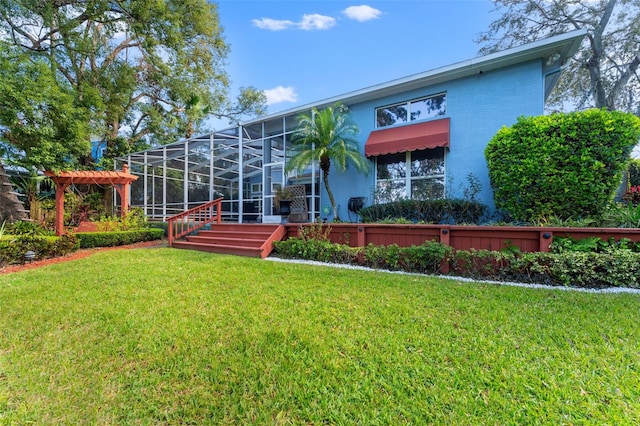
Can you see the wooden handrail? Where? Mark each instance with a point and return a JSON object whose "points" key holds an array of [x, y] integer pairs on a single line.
{"points": [[194, 219]]}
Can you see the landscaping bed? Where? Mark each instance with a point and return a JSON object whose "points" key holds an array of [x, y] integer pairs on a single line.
{"points": [[79, 254], [600, 264]]}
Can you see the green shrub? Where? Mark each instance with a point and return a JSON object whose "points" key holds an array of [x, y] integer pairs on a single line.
{"points": [[592, 245], [480, 264], [134, 219], [160, 225], [317, 250], [620, 215], [26, 228], [633, 171], [567, 165], [449, 211], [425, 258], [118, 238], [13, 249], [614, 265], [617, 268]]}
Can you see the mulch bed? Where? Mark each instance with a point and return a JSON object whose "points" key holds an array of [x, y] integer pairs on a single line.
{"points": [[79, 254]]}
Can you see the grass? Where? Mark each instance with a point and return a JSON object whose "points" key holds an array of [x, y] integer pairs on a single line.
{"points": [[162, 336]]}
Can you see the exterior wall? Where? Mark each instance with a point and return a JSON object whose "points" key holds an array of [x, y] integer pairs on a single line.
{"points": [[478, 107]]}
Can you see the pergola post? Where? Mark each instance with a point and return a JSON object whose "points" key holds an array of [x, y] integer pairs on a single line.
{"points": [[123, 191], [60, 189]]}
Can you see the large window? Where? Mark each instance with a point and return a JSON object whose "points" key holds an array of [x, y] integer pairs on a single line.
{"points": [[418, 109], [418, 175]]}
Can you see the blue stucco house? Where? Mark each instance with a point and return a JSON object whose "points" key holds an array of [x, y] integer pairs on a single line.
{"points": [[425, 135]]}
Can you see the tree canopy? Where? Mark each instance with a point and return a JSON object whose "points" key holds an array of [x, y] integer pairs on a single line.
{"points": [[41, 124], [603, 74], [122, 71]]}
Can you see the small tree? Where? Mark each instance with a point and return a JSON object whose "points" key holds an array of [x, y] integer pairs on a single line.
{"points": [[563, 165], [325, 136]]}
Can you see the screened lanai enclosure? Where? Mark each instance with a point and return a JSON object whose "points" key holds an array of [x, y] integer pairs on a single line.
{"points": [[244, 165]]}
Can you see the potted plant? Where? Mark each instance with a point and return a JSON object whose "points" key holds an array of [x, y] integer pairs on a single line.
{"points": [[282, 199]]}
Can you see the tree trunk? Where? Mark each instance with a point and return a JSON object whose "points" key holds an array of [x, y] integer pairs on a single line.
{"points": [[325, 165], [597, 56]]}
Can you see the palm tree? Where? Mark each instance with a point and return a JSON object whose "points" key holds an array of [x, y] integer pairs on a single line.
{"points": [[326, 136]]}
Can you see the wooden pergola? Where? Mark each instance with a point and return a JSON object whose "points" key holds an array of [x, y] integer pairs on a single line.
{"points": [[119, 180]]}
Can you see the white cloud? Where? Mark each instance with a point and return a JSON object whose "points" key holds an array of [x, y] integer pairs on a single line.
{"points": [[281, 94], [362, 13], [272, 24], [307, 23], [316, 22]]}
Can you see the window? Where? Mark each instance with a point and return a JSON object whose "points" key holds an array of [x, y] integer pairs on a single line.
{"points": [[256, 190], [417, 175], [419, 109]]}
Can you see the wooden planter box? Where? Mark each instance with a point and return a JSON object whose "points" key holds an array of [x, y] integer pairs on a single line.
{"points": [[525, 238]]}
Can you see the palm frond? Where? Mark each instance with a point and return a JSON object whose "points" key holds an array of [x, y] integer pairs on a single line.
{"points": [[327, 133]]}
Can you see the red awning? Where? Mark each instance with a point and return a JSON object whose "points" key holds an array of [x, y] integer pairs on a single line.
{"points": [[430, 134]]}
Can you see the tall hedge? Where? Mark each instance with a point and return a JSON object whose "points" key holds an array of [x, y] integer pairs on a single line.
{"points": [[562, 165]]}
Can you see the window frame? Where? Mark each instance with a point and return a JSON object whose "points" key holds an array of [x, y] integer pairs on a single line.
{"points": [[409, 179], [407, 104]]}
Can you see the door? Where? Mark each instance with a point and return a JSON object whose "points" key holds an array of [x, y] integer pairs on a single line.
{"points": [[272, 179]]}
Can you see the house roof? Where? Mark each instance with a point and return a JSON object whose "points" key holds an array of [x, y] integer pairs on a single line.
{"points": [[554, 51]]}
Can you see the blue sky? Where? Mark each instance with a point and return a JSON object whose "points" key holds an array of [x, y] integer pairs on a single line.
{"points": [[302, 51]]}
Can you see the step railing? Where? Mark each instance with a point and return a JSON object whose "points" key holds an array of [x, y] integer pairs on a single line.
{"points": [[194, 219]]}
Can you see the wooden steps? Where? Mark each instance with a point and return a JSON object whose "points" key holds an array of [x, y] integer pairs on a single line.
{"points": [[252, 240]]}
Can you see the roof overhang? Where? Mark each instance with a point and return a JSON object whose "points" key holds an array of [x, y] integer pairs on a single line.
{"points": [[426, 135]]}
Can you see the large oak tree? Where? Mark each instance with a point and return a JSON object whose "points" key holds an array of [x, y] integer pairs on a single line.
{"points": [[604, 73], [124, 71]]}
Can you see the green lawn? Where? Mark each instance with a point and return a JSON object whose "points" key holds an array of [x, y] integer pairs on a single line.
{"points": [[162, 336]]}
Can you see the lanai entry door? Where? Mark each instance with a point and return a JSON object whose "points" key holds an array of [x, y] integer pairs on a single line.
{"points": [[272, 180]]}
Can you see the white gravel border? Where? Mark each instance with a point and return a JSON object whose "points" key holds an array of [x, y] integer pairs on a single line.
{"points": [[461, 279]]}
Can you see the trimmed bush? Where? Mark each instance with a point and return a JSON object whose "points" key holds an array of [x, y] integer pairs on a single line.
{"points": [[616, 266], [563, 165], [425, 258], [620, 268], [118, 238], [159, 225], [317, 250], [14, 248], [449, 211]]}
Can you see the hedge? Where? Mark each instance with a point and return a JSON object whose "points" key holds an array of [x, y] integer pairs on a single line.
{"points": [[611, 268], [118, 238], [567, 166], [449, 211], [14, 248]]}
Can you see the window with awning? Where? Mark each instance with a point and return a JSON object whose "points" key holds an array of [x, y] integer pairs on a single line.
{"points": [[410, 160], [426, 135]]}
